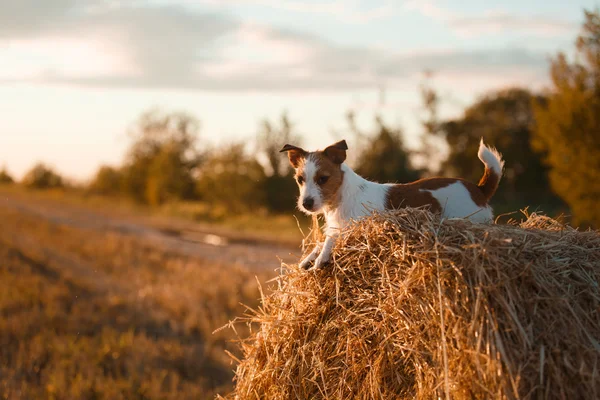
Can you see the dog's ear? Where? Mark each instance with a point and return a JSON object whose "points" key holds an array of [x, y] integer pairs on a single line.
{"points": [[337, 152], [295, 154]]}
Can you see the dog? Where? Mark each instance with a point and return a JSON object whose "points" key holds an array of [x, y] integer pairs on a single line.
{"points": [[330, 187]]}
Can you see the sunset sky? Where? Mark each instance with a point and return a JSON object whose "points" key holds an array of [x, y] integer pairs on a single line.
{"points": [[75, 74]]}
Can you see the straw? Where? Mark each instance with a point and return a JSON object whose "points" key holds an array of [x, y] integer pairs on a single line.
{"points": [[417, 308]]}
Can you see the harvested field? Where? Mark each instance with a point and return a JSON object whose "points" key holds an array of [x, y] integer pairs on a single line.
{"points": [[90, 312], [417, 308]]}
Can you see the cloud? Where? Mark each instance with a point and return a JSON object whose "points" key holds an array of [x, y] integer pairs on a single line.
{"points": [[499, 21], [492, 21], [165, 40], [29, 18], [352, 11], [151, 41], [127, 44], [338, 69]]}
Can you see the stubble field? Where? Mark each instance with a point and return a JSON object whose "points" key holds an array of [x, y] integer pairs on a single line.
{"points": [[89, 309]]}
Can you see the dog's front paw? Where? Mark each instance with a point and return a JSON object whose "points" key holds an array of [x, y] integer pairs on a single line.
{"points": [[320, 262], [305, 264]]}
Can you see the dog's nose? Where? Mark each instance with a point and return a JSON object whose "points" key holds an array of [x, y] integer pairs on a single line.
{"points": [[308, 203]]}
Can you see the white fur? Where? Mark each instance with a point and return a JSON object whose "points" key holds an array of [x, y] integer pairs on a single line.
{"points": [[359, 197], [311, 257], [326, 252], [491, 158], [310, 187], [456, 202]]}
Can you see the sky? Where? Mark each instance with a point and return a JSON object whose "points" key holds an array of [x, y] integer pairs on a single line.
{"points": [[76, 74]]}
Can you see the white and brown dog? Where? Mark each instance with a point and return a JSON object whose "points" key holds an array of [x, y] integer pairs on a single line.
{"points": [[330, 187]]}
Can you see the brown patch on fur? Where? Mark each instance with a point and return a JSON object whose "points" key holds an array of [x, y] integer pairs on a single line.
{"points": [[295, 154], [327, 167], [299, 168], [411, 194], [336, 152], [488, 183]]}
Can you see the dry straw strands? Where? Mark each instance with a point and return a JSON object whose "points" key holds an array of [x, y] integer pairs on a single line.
{"points": [[417, 308]]}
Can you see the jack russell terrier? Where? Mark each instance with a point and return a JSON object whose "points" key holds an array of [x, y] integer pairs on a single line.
{"points": [[330, 187]]}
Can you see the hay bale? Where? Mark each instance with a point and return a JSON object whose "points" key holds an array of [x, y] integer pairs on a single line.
{"points": [[417, 308]]}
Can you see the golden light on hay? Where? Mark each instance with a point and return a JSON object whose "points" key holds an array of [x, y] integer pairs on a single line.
{"points": [[417, 308]]}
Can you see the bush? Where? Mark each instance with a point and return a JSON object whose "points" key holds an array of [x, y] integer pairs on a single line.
{"points": [[385, 157], [107, 181], [162, 160], [5, 177], [232, 179], [42, 177], [168, 178]]}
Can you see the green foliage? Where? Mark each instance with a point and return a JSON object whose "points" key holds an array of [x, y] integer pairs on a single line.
{"points": [[163, 158], [5, 177], [279, 186], [568, 125], [232, 179], [505, 120], [170, 177], [42, 177], [107, 181], [385, 159], [135, 178], [280, 192]]}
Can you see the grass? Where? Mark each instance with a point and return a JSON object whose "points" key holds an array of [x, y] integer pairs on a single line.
{"points": [[99, 315]]}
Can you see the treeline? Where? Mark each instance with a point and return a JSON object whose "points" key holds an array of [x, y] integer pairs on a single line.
{"points": [[165, 163], [550, 141], [40, 176]]}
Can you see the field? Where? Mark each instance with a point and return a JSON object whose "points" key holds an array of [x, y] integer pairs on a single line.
{"points": [[103, 304]]}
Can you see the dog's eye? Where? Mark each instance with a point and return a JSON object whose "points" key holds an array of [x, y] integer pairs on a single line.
{"points": [[300, 180], [322, 180]]}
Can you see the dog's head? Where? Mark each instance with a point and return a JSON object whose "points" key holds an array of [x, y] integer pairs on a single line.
{"points": [[318, 174]]}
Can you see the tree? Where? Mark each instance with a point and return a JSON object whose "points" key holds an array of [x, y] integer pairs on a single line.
{"points": [[42, 177], [385, 159], [270, 140], [568, 125], [5, 177], [505, 120], [163, 158], [107, 181], [232, 179], [430, 154], [279, 185], [170, 177]]}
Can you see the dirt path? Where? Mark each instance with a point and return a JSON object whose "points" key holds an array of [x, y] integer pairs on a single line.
{"points": [[186, 240]]}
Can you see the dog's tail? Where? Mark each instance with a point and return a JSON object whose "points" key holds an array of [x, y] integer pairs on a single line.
{"points": [[493, 169]]}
